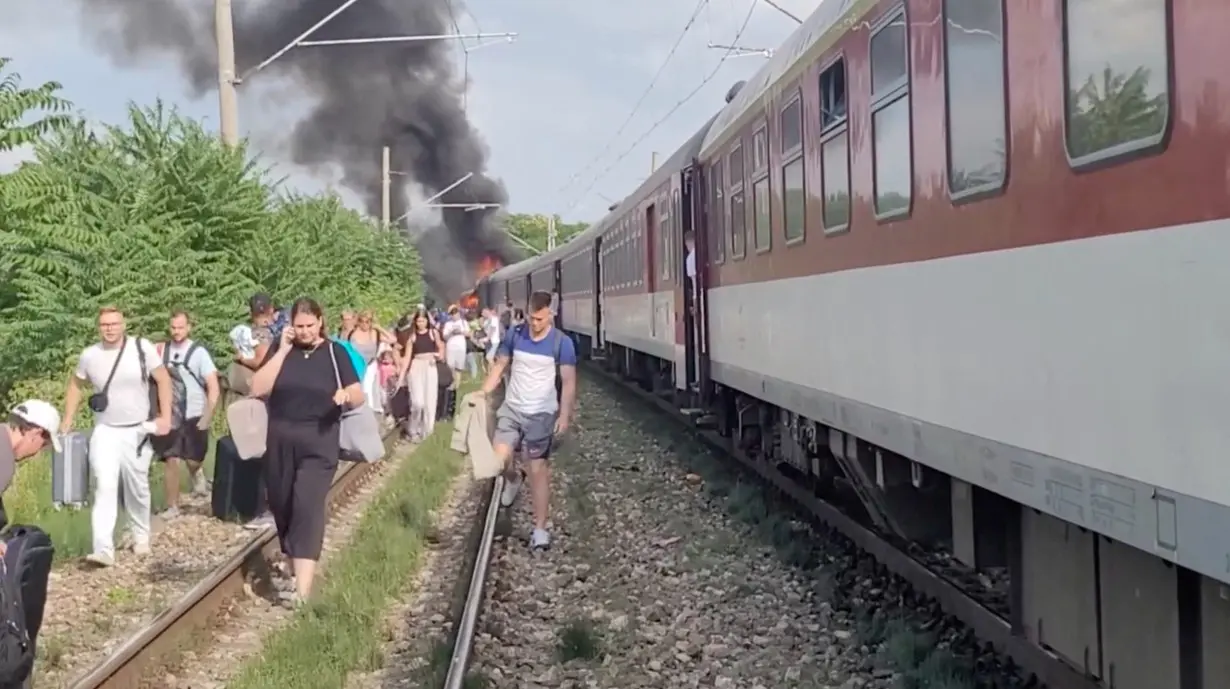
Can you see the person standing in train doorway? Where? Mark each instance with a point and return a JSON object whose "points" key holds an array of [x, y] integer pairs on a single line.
{"points": [[538, 405]]}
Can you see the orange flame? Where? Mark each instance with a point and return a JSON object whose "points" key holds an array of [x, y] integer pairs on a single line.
{"points": [[485, 267]]}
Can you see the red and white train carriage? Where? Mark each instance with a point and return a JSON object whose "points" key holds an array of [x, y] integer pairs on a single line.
{"points": [[965, 257]]}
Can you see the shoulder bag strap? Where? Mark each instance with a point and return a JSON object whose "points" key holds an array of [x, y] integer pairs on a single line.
{"points": [[116, 366], [141, 360], [337, 375], [187, 365]]}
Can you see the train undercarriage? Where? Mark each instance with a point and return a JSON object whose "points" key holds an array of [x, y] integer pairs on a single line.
{"points": [[1124, 617]]}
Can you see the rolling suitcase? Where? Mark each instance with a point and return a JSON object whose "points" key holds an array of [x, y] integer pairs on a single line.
{"points": [[70, 470], [238, 484]]}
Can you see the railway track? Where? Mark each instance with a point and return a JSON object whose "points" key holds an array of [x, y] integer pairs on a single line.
{"points": [[131, 664], [465, 614], [936, 589]]}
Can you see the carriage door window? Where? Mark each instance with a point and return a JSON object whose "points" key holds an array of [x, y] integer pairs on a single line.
{"points": [[738, 214], [890, 117], [717, 215]]}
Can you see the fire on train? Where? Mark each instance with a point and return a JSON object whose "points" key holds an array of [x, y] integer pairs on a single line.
{"points": [[959, 260]]}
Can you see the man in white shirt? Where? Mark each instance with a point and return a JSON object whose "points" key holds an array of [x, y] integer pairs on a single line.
{"points": [[491, 323], [118, 369], [189, 442]]}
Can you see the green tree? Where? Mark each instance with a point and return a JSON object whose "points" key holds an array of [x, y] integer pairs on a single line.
{"points": [[157, 215], [27, 114], [532, 229]]}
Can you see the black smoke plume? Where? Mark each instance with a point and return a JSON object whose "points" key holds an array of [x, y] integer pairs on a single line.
{"points": [[407, 96]]}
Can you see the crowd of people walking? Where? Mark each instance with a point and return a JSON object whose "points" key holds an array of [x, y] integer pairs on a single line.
{"points": [[289, 389]]}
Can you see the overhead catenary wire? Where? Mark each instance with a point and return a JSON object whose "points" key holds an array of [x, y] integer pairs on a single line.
{"points": [[640, 101], [675, 108]]}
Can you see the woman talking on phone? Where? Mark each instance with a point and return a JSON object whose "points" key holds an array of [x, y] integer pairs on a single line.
{"points": [[308, 381]]}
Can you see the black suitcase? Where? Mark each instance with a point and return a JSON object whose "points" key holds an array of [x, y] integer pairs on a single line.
{"points": [[238, 484], [28, 556]]}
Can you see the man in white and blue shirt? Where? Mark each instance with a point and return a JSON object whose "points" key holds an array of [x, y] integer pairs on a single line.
{"points": [[535, 410]]}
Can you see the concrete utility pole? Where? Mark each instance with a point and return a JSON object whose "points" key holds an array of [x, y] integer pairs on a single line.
{"points": [[228, 100], [385, 187], [551, 232]]}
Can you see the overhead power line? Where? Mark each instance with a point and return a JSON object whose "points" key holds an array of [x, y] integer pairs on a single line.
{"points": [[640, 101], [683, 101]]}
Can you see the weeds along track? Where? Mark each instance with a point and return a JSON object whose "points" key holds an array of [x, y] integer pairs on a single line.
{"points": [[900, 619], [229, 563], [429, 635]]}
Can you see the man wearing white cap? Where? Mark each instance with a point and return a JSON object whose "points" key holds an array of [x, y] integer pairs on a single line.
{"points": [[31, 427]]}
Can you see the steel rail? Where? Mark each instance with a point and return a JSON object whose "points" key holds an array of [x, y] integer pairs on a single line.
{"points": [[127, 666], [986, 624], [459, 663]]}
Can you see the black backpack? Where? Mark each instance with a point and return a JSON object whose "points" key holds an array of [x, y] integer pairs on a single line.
{"points": [[16, 651]]}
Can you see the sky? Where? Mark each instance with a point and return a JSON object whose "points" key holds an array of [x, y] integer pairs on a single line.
{"points": [[550, 104]]}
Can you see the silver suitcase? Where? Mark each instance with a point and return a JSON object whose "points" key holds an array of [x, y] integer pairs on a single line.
{"points": [[70, 471]]}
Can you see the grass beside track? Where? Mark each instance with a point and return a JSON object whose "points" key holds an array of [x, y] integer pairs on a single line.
{"points": [[342, 629], [28, 499]]}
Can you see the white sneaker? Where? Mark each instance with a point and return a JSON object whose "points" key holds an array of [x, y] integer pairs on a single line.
{"points": [[169, 513], [140, 548], [511, 488], [540, 539], [265, 521], [200, 485], [100, 559]]}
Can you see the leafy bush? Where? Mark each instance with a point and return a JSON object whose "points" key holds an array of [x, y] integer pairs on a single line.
{"points": [[153, 216]]}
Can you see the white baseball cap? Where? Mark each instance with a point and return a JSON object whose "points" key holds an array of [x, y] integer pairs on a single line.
{"points": [[42, 415]]}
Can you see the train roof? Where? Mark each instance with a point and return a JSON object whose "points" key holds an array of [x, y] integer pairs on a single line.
{"points": [[808, 42], [679, 160]]}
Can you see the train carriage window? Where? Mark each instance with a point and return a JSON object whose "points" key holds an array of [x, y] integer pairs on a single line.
{"points": [[738, 226], [1118, 77], [663, 244], [760, 149], [717, 216], [977, 101], [833, 95], [763, 228], [738, 214], [834, 149], [890, 117], [677, 251], [794, 194]]}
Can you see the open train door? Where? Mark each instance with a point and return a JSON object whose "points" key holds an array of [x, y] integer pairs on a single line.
{"points": [[686, 369], [599, 340], [696, 201], [557, 295]]}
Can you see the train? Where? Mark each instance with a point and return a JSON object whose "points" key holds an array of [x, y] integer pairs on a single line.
{"points": [[962, 261]]}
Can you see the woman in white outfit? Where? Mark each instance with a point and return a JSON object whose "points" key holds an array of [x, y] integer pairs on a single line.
{"points": [[456, 332], [418, 368]]}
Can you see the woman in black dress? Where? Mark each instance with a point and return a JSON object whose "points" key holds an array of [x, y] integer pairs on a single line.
{"points": [[307, 381]]}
